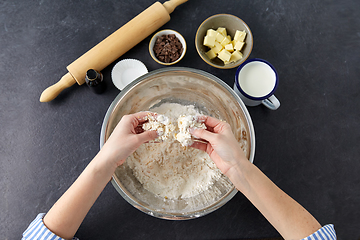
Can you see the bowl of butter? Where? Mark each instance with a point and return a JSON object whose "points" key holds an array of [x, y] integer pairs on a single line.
{"points": [[224, 41]]}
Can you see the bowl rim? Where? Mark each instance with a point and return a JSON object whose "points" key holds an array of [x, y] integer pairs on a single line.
{"points": [[178, 35], [209, 62], [188, 215]]}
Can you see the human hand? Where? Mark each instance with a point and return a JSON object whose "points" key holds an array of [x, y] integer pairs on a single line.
{"points": [[221, 145], [127, 136]]}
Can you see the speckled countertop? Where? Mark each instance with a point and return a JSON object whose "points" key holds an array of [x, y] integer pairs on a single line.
{"points": [[308, 147]]}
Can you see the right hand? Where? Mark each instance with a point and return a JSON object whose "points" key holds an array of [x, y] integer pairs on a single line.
{"points": [[221, 145]]}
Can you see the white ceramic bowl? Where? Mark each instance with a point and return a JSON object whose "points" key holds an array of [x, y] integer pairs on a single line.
{"points": [[166, 32]]}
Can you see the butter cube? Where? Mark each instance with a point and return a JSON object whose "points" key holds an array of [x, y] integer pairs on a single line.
{"points": [[225, 42], [209, 41], [224, 55], [219, 37], [217, 48], [240, 36], [238, 45], [211, 54], [211, 32], [229, 47], [222, 31], [235, 56], [222, 46]]}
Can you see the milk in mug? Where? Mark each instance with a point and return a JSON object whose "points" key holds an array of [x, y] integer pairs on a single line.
{"points": [[257, 79], [255, 83]]}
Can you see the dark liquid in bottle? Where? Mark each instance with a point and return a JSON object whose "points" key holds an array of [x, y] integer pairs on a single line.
{"points": [[94, 80]]}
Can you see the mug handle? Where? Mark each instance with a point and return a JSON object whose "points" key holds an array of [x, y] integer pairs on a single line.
{"points": [[272, 102]]}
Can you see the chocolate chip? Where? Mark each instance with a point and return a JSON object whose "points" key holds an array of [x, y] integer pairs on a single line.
{"points": [[168, 48]]}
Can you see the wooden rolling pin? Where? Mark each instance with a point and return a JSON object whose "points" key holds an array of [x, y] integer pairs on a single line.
{"points": [[112, 47]]}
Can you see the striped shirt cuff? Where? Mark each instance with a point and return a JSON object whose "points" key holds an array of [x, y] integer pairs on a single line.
{"points": [[327, 232], [38, 231]]}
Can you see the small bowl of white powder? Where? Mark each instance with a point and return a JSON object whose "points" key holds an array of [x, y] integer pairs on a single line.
{"points": [[167, 178]]}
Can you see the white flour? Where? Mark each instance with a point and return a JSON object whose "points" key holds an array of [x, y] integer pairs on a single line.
{"points": [[177, 127], [185, 122], [162, 125], [169, 169]]}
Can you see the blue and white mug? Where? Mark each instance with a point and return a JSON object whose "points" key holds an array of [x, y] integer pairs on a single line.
{"points": [[255, 82]]}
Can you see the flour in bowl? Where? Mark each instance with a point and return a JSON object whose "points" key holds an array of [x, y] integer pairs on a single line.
{"points": [[174, 127], [185, 122], [162, 125], [167, 168]]}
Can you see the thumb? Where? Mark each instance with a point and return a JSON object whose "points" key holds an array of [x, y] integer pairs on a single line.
{"points": [[202, 133], [147, 136]]}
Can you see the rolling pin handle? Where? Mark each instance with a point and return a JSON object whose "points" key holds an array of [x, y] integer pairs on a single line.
{"points": [[172, 4], [53, 91]]}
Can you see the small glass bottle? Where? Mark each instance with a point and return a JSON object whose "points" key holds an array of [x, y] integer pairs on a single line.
{"points": [[94, 80]]}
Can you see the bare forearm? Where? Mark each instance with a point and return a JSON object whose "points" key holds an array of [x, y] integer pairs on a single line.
{"points": [[65, 217], [288, 217]]}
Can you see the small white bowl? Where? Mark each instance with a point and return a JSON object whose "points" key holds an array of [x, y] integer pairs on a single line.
{"points": [[166, 32]]}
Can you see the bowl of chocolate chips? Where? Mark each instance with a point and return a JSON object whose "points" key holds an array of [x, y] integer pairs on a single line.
{"points": [[167, 47]]}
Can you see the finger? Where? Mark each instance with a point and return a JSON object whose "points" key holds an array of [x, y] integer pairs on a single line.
{"points": [[200, 145], [203, 134], [139, 129], [142, 117], [211, 121], [135, 119], [147, 136]]}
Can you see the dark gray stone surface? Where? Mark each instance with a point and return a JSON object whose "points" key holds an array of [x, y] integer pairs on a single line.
{"points": [[308, 147]]}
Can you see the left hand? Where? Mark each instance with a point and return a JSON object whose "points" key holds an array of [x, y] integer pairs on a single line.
{"points": [[127, 136], [221, 144]]}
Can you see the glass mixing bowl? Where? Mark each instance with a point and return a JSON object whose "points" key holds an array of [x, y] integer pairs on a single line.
{"points": [[211, 96]]}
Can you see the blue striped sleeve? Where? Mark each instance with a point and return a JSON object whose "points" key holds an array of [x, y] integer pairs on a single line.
{"points": [[38, 231], [327, 232]]}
